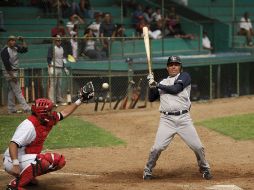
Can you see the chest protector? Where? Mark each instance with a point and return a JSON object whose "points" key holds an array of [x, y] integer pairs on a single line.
{"points": [[42, 132]]}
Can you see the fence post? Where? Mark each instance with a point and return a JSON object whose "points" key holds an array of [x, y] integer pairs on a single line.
{"points": [[211, 80], [238, 79]]}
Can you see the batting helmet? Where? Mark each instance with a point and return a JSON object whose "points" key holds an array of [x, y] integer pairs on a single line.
{"points": [[174, 59], [41, 108]]}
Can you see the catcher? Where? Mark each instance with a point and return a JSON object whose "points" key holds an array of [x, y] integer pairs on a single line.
{"points": [[23, 158]]}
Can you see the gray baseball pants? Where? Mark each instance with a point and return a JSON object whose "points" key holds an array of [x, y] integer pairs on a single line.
{"points": [[171, 125]]}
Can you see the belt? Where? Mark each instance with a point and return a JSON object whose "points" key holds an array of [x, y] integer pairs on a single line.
{"points": [[175, 113]]}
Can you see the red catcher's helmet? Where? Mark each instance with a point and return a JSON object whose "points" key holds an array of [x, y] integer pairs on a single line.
{"points": [[41, 108]]}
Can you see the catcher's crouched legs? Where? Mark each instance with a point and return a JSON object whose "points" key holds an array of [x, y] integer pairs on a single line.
{"points": [[151, 163], [44, 163]]}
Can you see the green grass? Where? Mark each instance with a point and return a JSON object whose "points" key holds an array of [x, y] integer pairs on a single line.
{"points": [[71, 132], [239, 127]]}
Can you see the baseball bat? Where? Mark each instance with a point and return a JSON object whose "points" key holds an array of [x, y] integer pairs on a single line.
{"points": [[117, 102], [137, 95], [96, 103], [33, 90], [147, 47], [103, 105]]}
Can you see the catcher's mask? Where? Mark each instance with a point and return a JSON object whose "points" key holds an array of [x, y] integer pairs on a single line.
{"points": [[42, 109]]}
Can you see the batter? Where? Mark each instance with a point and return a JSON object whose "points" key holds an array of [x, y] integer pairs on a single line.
{"points": [[174, 94]]}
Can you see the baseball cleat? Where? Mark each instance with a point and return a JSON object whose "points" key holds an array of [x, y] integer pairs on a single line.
{"points": [[207, 174], [147, 174]]}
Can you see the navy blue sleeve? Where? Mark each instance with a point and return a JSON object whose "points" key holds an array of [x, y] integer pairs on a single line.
{"points": [[153, 94], [181, 82], [5, 58], [50, 55]]}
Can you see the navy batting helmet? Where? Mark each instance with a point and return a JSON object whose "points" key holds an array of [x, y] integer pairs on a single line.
{"points": [[174, 59]]}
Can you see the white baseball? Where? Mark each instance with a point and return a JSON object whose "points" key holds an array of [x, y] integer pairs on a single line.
{"points": [[105, 85]]}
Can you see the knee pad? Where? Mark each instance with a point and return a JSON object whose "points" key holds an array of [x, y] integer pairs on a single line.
{"points": [[56, 161]]}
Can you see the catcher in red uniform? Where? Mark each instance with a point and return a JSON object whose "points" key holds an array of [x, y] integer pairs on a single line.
{"points": [[23, 158]]}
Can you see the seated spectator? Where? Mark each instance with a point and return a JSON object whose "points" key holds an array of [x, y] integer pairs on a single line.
{"points": [[137, 15], [157, 15], [95, 26], [206, 43], [82, 9], [89, 47], [155, 34], [120, 31], [74, 19], [175, 29], [148, 15], [107, 29], [59, 29], [246, 28]]}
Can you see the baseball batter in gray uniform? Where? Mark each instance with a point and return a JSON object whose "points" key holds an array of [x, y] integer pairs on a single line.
{"points": [[174, 94]]}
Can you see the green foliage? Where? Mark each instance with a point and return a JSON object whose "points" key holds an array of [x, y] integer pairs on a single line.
{"points": [[71, 132], [239, 127]]}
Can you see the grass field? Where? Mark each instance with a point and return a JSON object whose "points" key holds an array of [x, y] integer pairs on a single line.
{"points": [[71, 132], [239, 127]]}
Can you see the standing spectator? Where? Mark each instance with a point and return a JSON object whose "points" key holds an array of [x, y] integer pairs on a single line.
{"points": [[56, 64], [246, 28], [206, 43], [107, 29], [95, 26], [10, 59], [174, 95], [23, 158], [89, 47]]}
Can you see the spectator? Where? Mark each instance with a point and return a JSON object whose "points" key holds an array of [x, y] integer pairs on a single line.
{"points": [[95, 26], [59, 29], [107, 29], [74, 19], [74, 42], [82, 8], [157, 15], [246, 28], [148, 15], [9, 56], [206, 43], [2, 29], [175, 29], [60, 6], [56, 65], [139, 27], [137, 15], [89, 48], [24, 159], [120, 31]]}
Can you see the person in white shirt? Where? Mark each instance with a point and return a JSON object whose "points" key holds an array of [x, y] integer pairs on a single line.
{"points": [[23, 158], [246, 28], [206, 43]]}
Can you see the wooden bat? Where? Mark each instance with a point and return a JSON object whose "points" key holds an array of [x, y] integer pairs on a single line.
{"points": [[117, 102], [22, 81], [96, 103], [104, 102], [147, 47], [125, 99], [33, 90], [146, 99], [136, 95]]}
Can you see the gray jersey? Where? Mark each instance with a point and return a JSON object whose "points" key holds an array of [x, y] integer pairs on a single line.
{"points": [[174, 102]]}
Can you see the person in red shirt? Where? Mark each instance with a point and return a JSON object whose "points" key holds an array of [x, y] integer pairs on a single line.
{"points": [[58, 30]]}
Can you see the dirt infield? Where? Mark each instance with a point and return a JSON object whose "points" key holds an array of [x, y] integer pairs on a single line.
{"points": [[120, 168]]}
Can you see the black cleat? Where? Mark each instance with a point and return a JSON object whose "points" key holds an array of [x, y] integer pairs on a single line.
{"points": [[206, 174]]}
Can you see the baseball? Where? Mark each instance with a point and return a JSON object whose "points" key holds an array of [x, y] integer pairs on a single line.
{"points": [[105, 85]]}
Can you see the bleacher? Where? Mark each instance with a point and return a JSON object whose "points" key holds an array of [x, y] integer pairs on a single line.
{"points": [[29, 22], [226, 12]]}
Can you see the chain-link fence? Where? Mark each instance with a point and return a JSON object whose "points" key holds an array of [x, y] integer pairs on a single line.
{"points": [[42, 75]]}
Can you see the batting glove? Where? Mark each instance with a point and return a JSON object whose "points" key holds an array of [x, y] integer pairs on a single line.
{"points": [[150, 76], [152, 83]]}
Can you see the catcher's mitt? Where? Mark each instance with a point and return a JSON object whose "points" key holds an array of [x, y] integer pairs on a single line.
{"points": [[86, 92]]}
